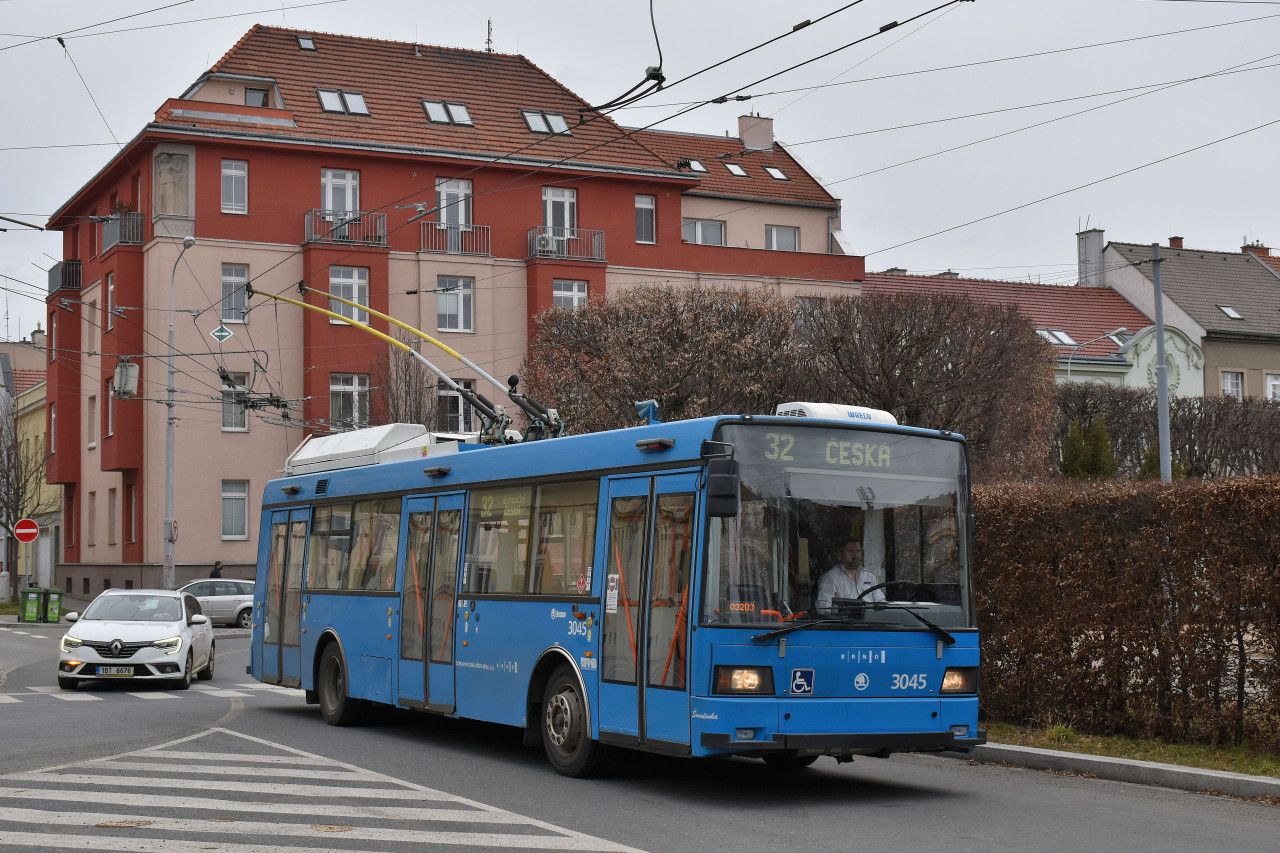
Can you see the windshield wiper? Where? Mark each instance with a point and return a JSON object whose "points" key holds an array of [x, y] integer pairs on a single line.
{"points": [[943, 634], [794, 626]]}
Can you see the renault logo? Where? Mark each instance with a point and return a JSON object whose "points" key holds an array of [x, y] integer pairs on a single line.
{"points": [[116, 648]]}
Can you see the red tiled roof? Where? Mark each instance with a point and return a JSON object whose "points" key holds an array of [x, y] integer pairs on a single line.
{"points": [[24, 380], [1082, 312], [395, 77], [1271, 261], [714, 151]]}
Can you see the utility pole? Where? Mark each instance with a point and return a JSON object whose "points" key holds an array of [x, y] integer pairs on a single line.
{"points": [[170, 580], [1162, 373]]}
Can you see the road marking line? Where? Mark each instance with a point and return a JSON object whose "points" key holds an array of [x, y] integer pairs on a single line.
{"points": [[30, 840], [153, 695], [236, 770], [232, 806], [271, 687], [44, 689], [347, 793], [223, 694], [8, 700], [310, 831], [228, 757], [22, 633], [74, 697]]}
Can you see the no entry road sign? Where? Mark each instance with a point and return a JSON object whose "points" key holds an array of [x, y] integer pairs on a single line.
{"points": [[26, 530]]}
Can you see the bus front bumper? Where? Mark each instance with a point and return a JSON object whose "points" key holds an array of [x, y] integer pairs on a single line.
{"points": [[834, 744]]}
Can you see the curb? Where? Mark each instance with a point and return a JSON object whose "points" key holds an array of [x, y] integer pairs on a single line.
{"points": [[1126, 770]]}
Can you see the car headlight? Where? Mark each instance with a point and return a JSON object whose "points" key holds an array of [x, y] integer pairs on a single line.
{"points": [[170, 646], [960, 679], [752, 680], [69, 642]]}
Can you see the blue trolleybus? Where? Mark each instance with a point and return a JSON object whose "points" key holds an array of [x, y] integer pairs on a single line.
{"points": [[782, 587]]}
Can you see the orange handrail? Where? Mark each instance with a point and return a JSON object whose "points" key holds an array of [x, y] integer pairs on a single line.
{"points": [[626, 606]]}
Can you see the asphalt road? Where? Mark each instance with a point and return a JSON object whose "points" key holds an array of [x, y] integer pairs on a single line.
{"points": [[234, 766]]}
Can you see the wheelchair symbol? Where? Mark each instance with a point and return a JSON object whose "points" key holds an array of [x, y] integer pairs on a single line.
{"points": [[801, 682]]}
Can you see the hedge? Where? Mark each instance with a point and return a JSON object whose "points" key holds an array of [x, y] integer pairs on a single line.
{"points": [[1133, 608]]}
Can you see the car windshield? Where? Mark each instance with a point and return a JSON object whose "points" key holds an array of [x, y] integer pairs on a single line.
{"points": [[134, 608], [849, 524]]}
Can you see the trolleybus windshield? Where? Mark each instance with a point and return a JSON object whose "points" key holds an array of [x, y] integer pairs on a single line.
{"points": [[846, 525]]}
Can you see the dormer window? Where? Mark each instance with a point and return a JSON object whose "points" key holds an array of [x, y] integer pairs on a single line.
{"points": [[306, 43], [333, 101], [776, 174], [735, 169], [256, 97], [696, 166], [1230, 312], [542, 122], [443, 112]]}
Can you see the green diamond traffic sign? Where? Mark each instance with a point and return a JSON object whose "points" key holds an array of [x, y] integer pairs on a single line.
{"points": [[221, 333]]}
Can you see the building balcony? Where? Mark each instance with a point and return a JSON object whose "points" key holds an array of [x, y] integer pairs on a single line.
{"points": [[64, 275], [444, 238], [346, 227], [124, 227], [571, 244]]}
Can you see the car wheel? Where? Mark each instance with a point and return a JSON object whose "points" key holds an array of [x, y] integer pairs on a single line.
{"points": [[245, 619], [336, 707], [67, 683], [206, 674], [788, 760], [566, 731], [184, 681]]}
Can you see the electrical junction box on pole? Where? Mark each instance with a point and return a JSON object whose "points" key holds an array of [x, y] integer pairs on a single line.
{"points": [[26, 531]]}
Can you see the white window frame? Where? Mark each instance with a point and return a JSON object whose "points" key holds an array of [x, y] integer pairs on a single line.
{"points": [[458, 113], [349, 283], [235, 182], [111, 407], [306, 43], [94, 426], [111, 299], [697, 231], [569, 293], [566, 200], [331, 101], [346, 180], [1272, 386], [235, 492], [776, 173], [464, 419], [736, 170], [771, 233], [436, 112], [53, 428], [230, 406], [355, 104], [453, 200], [1238, 392], [696, 166], [457, 302], [53, 335], [356, 385], [647, 206], [235, 296], [266, 96]]}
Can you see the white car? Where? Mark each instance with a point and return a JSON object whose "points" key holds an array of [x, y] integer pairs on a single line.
{"points": [[225, 602], [138, 635]]}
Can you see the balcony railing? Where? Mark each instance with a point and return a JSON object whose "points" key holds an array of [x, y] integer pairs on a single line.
{"points": [[347, 226], [64, 275], [124, 227], [456, 239], [575, 244]]}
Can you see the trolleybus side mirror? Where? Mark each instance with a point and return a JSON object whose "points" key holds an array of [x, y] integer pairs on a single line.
{"points": [[723, 487]]}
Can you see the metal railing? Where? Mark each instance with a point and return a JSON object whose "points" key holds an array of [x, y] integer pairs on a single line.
{"points": [[64, 275], [456, 239], [346, 226], [578, 244], [124, 227]]}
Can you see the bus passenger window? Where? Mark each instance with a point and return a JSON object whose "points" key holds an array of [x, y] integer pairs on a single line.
{"points": [[566, 538], [330, 544], [498, 541], [375, 535], [448, 536], [627, 524], [669, 596], [416, 590]]}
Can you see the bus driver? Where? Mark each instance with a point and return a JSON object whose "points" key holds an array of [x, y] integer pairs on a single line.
{"points": [[846, 579]]}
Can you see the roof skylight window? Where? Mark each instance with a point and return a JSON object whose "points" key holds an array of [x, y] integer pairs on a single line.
{"points": [[441, 112], [540, 122], [1230, 312], [735, 169], [1057, 337], [776, 174], [355, 103], [306, 43], [333, 101], [696, 166]]}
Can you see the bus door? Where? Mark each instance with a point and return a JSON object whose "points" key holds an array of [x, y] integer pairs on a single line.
{"points": [[281, 630], [427, 601], [649, 546]]}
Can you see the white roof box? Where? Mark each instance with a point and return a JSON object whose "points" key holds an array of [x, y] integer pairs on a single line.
{"points": [[835, 412], [371, 446]]}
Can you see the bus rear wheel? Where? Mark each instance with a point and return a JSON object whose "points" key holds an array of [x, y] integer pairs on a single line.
{"points": [[336, 707], [566, 731]]}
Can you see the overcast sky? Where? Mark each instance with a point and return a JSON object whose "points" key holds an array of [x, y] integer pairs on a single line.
{"points": [[1214, 197]]}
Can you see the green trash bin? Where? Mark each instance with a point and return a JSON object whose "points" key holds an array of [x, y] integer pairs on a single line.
{"points": [[32, 601], [52, 605]]}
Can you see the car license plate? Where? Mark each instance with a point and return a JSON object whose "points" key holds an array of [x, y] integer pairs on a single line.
{"points": [[115, 671]]}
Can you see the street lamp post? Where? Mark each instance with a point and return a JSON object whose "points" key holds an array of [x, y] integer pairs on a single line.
{"points": [[170, 531], [1076, 348], [1162, 373]]}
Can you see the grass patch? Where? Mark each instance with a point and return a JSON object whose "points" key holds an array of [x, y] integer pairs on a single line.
{"points": [[8, 608], [1239, 759]]}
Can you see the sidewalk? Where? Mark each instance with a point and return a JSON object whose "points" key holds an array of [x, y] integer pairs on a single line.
{"points": [[1126, 770]]}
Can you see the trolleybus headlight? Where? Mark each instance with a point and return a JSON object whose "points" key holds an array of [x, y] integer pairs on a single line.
{"points": [[69, 643], [744, 679], [961, 679], [171, 646]]}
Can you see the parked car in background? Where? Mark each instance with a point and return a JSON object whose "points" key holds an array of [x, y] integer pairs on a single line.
{"points": [[137, 635], [225, 602]]}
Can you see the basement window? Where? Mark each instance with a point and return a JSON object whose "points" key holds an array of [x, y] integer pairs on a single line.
{"points": [[306, 43], [735, 169], [1230, 312]]}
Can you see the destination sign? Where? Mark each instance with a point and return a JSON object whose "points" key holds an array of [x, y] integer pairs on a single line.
{"points": [[844, 449]]}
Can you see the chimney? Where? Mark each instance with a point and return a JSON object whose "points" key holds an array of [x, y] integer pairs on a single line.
{"points": [[37, 338], [756, 132], [894, 271], [947, 274], [1175, 242], [1089, 246], [1256, 248]]}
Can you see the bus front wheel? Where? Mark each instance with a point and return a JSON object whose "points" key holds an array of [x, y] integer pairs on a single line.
{"points": [[566, 732], [336, 707]]}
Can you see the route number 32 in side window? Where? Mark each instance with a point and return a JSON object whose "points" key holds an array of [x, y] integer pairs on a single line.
{"points": [[780, 446], [913, 681]]}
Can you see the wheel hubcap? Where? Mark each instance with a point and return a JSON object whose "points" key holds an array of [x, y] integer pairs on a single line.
{"points": [[562, 720]]}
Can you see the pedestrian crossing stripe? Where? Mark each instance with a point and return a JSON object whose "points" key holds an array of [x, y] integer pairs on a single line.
{"points": [[136, 808], [97, 696]]}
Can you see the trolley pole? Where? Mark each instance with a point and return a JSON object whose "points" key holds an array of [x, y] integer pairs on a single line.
{"points": [[170, 579], [1162, 373]]}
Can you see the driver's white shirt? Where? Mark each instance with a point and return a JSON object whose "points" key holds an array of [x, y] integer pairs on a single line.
{"points": [[836, 583]]}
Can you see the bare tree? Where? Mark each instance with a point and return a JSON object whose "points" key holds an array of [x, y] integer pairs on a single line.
{"points": [[404, 390], [22, 472]]}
